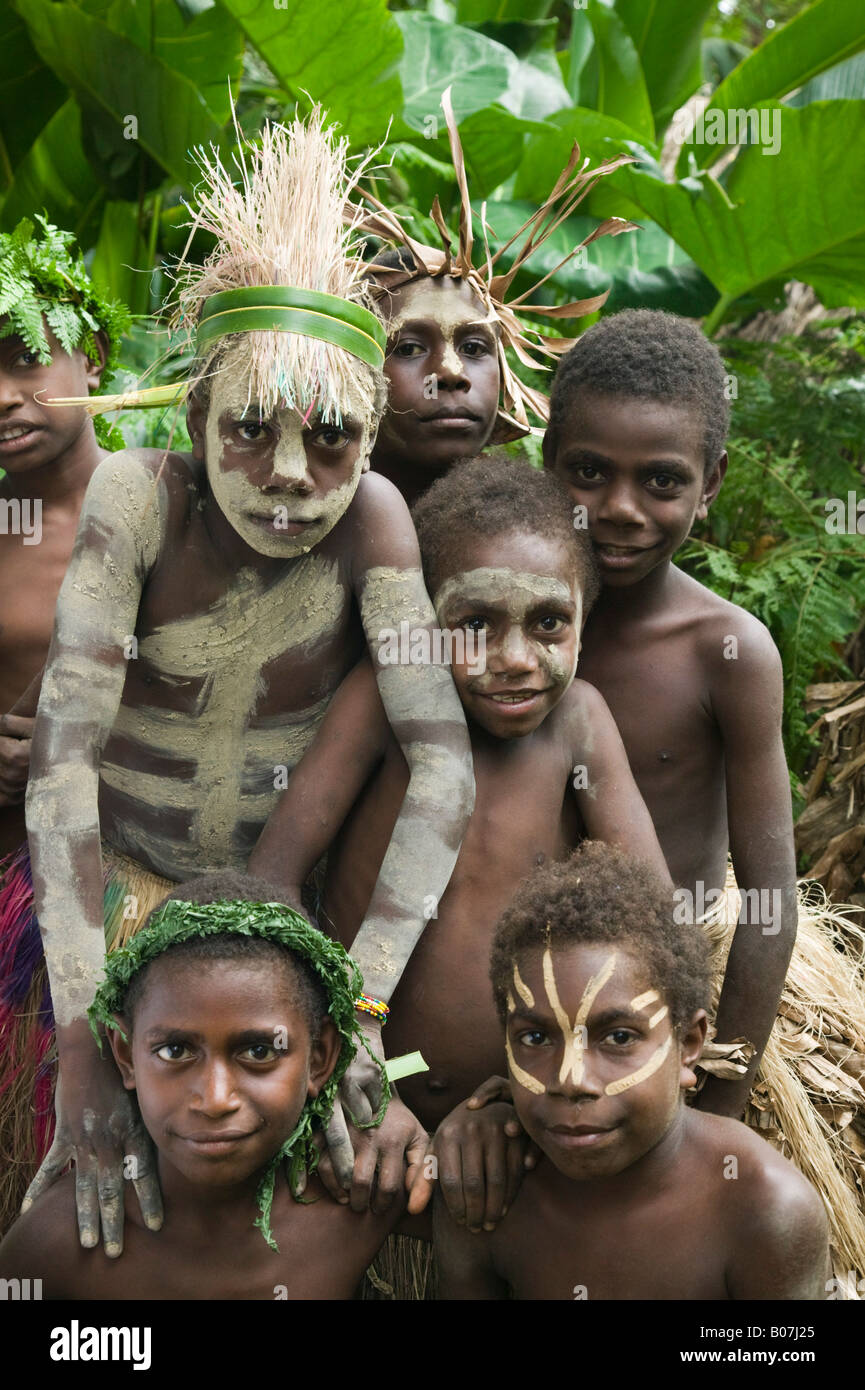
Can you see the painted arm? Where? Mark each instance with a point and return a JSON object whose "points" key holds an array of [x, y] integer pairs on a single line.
{"points": [[747, 699], [325, 784], [116, 544], [608, 798], [425, 714]]}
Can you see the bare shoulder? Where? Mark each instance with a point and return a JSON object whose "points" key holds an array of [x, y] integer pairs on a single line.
{"points": [[133, 480], [769, 1205], [43, 1243], [731, 641], [380, 526]]}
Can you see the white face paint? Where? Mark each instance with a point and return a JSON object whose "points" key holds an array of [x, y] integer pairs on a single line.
{"points": [[298, 510], [451, 311], [574, 1035], [512, 597]]}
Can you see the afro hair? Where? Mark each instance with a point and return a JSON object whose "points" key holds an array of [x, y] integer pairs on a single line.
{"points": [[651, 355], [600, 894], [497, 495]]}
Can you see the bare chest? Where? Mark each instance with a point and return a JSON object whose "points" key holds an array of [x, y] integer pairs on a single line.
{"points": [[30, 579], [594, 1254]]}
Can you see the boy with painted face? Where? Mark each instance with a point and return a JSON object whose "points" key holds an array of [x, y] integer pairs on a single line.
{"points": [[443, 379], [231, 1020], [452, 389], [638, 422], [509, 573], [213, 605], [602, 997]]}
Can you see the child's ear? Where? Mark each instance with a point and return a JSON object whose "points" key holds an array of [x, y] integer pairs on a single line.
{"points": [[691, 1040], [196, 416], [323, 1057], [712, 486], [93, 370], [548, 450], [122, 1049]]}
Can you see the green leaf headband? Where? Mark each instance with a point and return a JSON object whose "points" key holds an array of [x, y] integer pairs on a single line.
{"points": [[286, 309], [179, 921]]}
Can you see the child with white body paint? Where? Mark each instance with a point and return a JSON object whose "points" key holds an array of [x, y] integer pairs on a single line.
{"points": [[601, 995], [213, 604], [502, 561]]}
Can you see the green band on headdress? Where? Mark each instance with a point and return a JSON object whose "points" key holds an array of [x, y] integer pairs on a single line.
{"points": [[337, 972], [285, 309]]}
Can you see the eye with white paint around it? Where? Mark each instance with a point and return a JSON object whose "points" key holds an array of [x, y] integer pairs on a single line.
{"points": [[250, 431], [330, 439]]}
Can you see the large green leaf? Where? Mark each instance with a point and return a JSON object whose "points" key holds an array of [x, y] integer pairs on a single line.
{"points": [[621, 86], [343, 55], [207, 47], [29, 91], [501, 11], [821, 36], [117, 261], [479, 70], [844, 82], [666, 35], [112, 74], [55, 176], [798, 214]]}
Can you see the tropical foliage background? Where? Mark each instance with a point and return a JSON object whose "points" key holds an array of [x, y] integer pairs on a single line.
{"points": [[101, 100]]}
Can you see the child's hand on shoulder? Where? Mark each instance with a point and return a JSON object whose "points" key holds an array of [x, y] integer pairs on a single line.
{"points": [[369, 1169], [479, 1154]]}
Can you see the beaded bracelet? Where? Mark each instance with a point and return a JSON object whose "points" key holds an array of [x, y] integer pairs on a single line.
{"points": [[377, 1007]]}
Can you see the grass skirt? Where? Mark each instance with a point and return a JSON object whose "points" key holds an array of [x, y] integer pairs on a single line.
{"points": [[808, 1097], [27, 1051], [403, 1271]]}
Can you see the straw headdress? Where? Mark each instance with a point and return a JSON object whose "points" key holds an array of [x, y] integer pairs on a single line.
{"points": [[282, 296]]}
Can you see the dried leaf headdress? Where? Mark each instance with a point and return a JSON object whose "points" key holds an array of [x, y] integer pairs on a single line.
{"points": [[528, 345]]}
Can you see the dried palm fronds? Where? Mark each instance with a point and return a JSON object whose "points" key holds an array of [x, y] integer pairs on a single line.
{"points": [[830, 833], [808, 1098], [532, 348]]}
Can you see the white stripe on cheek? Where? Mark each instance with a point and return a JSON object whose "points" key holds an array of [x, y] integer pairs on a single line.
{"points": [[523, 1078], [615, 1088], [656, 1018]]}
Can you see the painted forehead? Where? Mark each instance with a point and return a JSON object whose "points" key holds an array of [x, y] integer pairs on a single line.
{"points": [[618, 981], [449, 303], [516, 590], [230, 394]]}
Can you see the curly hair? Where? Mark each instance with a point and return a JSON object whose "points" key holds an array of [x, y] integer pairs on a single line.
{"points": [[650, 354], [496, 495], [600, 894], [231, 885]]}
